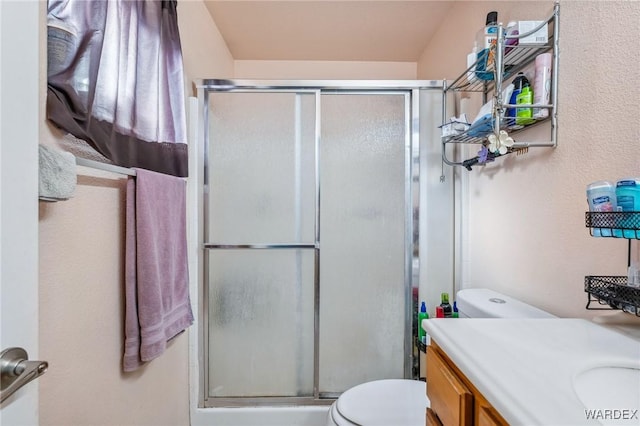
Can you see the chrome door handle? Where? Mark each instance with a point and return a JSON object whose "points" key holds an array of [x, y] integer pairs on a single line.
{"points": [[16, 371]]}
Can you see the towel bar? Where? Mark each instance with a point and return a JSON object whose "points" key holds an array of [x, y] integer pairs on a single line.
{"points": [[104, 166]]}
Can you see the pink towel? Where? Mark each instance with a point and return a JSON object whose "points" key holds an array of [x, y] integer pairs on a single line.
{"points": [[157, 305]]}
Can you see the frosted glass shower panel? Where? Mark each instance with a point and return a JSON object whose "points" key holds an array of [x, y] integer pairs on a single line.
{"points": [[363, 151], [261, 323], [261, 164]]}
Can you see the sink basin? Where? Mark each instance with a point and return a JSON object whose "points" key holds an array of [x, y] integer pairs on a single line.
{"points": [[611, 388]]}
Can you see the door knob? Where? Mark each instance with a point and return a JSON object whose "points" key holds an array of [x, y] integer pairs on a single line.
{"points": [[16, 371]]}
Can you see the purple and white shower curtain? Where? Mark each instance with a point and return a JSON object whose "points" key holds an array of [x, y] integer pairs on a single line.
{"points": [[115, 80]]}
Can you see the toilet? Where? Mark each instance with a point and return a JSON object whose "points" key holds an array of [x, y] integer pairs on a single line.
{"points": [[485, 303], [402, 402]]}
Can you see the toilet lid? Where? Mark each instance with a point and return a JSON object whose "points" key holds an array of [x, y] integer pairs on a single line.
{"points": [[395, 402]]}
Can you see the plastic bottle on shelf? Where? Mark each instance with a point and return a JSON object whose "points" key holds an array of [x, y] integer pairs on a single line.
{"points": [[489, 33], [455, 313], [525, 97], [509, 43], [486, 37], [628, 200], [633, 275], [601, 197], [439, 312], [518, 83], [542, 85], [471, 63]]}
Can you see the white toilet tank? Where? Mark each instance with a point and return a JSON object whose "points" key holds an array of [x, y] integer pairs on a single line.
{"points": [[485, 303]]}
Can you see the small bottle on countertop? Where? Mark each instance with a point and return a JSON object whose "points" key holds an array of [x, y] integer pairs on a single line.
{"points": [[439, 312], [446, 307], [455, 313]]}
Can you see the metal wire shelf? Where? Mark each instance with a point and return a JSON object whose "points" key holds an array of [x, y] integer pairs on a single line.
{"points": [[613, 224], [612, 291]]}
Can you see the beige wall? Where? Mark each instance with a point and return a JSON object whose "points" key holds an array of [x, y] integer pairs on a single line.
{"points": [[325, 70], [525, 215], [81, 282], [205, 54]]}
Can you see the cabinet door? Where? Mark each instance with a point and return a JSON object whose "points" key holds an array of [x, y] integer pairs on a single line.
{"points": [[432, 419], [450, 399], [486, 415]]}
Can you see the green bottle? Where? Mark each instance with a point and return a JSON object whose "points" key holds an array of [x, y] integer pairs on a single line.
{"points": [[446, 307], [524, 115], [422, 315]]}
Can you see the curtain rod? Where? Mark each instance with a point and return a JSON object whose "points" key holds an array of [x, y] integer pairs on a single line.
{"points": [[104, 166]]}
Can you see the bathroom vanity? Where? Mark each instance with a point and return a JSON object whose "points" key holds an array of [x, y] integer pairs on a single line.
{"points": [[531, 371], [453, 398]]}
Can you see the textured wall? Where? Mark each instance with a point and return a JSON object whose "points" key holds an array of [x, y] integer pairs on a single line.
{"points": [[325, 70], [81, 283], [524, 215]]}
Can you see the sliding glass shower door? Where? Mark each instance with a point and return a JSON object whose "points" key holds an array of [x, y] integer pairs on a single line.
{"points": [[261, 251], [308, 233], [363, 247]]}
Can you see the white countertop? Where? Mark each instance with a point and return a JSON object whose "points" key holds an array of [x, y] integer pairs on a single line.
{"points": [[526, 367]]}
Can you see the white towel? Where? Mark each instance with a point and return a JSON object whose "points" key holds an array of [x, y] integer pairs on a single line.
{"points": [[57, 180]]}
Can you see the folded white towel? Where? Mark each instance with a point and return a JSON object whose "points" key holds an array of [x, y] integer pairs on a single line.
{"points": [[57, 180]]}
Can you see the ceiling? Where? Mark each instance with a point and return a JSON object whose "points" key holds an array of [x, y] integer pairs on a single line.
{"points": [[312, 30]]}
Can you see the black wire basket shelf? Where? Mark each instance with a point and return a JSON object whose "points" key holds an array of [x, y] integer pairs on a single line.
{"points": [[612, 292], [613, 224]]}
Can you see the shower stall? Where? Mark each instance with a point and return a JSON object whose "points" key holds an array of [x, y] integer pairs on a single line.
{"points": [[315, 197]]}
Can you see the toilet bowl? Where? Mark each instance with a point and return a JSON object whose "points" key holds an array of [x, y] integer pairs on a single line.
{"points": [[397, 402], [403, 402]]}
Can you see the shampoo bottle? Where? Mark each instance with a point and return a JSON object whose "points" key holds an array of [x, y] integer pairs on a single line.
{"points": [[525, 97], [446, 307], [422, 315], [518, 84]]}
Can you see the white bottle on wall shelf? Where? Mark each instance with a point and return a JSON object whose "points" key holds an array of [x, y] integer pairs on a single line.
{"points": [[471, 61], [542, 85]]}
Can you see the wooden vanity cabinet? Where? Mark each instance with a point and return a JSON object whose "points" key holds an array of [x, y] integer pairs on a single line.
{"points": [[454, 399]]}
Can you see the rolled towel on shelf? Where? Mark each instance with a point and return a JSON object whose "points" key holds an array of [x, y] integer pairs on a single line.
{"points": [[57, 177]]}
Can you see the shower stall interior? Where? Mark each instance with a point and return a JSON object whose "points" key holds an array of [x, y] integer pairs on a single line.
{"points": [[312, 198]]}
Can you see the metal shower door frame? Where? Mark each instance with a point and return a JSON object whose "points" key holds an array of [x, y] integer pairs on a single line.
{"points": [[411, 91]]}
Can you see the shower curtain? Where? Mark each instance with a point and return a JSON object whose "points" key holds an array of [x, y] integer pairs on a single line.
{"points": [[115, 80]]}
